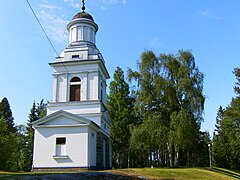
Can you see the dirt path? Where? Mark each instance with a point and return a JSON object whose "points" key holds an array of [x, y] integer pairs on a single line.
{"points": [[77, 176]]}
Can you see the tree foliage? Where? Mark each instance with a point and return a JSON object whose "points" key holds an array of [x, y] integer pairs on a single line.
{"points": [[120, 107], [170, 93], [6, 145], [6, 114], [168, 110], [36, 112], [16, 141], [9, 139], [226, 141]]}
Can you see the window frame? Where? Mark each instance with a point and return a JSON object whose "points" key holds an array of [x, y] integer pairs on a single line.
{"points": [[60, 147], [75, 81]]}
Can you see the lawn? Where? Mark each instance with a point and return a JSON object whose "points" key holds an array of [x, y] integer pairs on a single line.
{"points": [[182, 173], [134, 173]]}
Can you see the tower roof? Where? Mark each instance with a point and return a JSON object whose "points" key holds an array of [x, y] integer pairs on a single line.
{"points": [[83, 15]]}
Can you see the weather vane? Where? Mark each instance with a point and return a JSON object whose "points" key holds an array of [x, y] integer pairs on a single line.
{"points": [[83, 5]]}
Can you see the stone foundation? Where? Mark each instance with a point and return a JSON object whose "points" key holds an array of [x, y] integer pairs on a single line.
{"points": [[63, 169]]}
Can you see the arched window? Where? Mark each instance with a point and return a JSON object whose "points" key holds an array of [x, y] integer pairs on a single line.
{"points": [[75, 89]]}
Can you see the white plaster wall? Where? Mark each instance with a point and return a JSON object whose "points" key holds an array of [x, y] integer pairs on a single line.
{"points": [[76, 68], [62, 121], [84, 87], [104, 100], [105, 126], [76, 147], [73, 34], [92, 136], [55, 85], [93, 117], [93, 85], [83, 54], [60, 89], [80, 32], [89, 83], [75, 107]]}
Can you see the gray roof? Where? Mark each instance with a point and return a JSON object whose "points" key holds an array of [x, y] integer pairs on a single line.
{"points": [[83, 15]]}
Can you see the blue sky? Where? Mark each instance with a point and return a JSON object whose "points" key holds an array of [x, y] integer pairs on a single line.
{"points": [[210, 28]]}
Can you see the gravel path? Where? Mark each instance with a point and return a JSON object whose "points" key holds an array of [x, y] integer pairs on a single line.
{"points": [[78, 176]]}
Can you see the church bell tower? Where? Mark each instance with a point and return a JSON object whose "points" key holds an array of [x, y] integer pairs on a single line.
{"points": [[80, 74], [76, 131]]}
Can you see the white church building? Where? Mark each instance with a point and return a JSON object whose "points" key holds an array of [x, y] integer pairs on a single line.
{"points": [[76, 131]]}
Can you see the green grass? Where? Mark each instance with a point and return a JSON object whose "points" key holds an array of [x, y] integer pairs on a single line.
{"points": [[182, 173], [157, 173], [226, 172]]}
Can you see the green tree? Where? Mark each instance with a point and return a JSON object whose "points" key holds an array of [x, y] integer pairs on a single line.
{"points": [[236, 72], [226, 142], [153, 119], [230, 134], [6, 114], [202, 151], [169, 90], [219, 151], [36, 112], [183, 135], [120, 107], [9, 139], [148, 141], [41, 110], [8, 148], [20, 144], [5, 144]]}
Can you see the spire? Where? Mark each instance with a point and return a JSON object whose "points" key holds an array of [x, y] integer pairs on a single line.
{"points": [[83, 6]]}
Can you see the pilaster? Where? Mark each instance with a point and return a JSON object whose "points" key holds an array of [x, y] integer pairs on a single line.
{"points": [[55, 87]]}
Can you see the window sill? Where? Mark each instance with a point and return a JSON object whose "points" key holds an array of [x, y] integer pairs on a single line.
{"points": [[60, 157]]}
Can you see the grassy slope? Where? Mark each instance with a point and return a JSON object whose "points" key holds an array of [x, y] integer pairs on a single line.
{"points": [[182, 173], [159, 173]]}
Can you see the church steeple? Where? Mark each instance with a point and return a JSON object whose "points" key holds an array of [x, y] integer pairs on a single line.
{"points": [[80, 65], [82, 38], [82, 28]]}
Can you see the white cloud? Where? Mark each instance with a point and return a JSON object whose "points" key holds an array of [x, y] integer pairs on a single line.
{"points": [[208, 15], [105, 3], [53, 21], [110, 1], [113, 1], [49, 6], [155, 43], [73, 3]]}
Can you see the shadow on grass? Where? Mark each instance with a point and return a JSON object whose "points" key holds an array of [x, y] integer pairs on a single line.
{"points": [[225, 172]]}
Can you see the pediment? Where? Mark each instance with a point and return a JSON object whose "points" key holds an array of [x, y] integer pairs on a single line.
{"points": [[61, 118]]}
